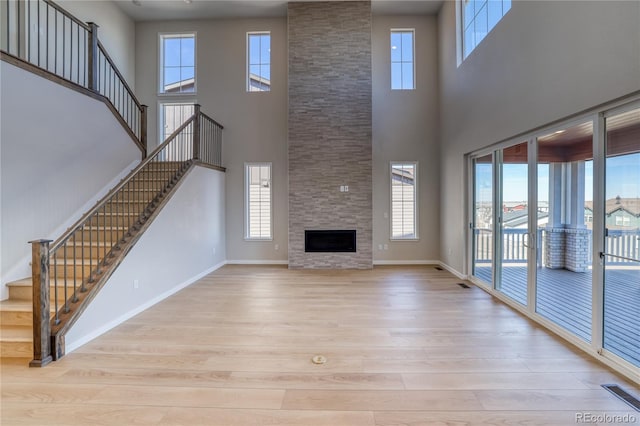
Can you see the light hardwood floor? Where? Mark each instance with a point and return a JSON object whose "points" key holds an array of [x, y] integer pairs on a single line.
{"points": [[404, 346]]}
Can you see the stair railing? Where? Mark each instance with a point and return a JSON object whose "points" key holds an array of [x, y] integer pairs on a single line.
{"points": [[78, 263], [45, 38]]}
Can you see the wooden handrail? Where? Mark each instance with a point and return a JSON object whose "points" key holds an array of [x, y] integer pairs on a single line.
{"points": [[117, 71]]}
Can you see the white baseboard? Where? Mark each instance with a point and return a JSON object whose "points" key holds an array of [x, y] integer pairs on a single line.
{"points": [[405, 262], [22, 269], [257, 262], [454, 271], [71, 346]]}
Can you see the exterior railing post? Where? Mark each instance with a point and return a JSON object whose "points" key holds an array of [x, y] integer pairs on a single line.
{"points": [[41, 320], [196, 133], [143, 131], [92, 56]]}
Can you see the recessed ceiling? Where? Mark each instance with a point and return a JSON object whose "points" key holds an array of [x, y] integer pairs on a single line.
{"points": [[157, 10]]}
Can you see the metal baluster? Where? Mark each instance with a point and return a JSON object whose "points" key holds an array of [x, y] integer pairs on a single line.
{"points": [[55, 42], [56, 319], [75, 264], [64, 280], [82, 287]]}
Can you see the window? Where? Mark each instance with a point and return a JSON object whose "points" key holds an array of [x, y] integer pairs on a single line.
{"points": [[478, 19], [258, 62], [172, 116], [404, 201], [402, 65], [258, 201], [177, 63]]}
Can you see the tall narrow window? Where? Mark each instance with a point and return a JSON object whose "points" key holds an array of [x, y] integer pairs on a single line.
{"points": [[177, 63], [258, 201], [172, 116], [478, 19], [259, 62], [404, 201], [402, 62]]}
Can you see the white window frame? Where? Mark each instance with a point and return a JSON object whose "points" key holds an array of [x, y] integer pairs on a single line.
{"points": [[161, 117], [248, 62], [246, 201], [460, 33], [413, 57], [415, 236], [161, 37]]}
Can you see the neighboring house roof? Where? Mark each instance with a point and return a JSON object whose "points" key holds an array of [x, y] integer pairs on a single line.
{"points": [[519, 217], [631, 205]]}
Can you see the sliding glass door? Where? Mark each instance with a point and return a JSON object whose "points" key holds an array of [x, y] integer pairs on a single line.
{"points": [[513, 218], [564, 222], [483, 212], [621, 253]]}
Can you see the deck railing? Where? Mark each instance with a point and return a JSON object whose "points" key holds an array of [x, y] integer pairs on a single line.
{"points": [[75, 266], [61, 47], [621, 243]]}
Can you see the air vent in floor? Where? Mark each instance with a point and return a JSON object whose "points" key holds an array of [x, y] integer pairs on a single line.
{"points": [[623, 395], [463, 285], [439, 268]]}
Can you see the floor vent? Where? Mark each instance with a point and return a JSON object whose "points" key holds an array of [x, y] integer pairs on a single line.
{"points": [[463, 285], [623, 395], [439, 268]]}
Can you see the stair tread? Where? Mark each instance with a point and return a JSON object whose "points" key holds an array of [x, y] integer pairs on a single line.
{"points": [[26, 282], [16, 333]]}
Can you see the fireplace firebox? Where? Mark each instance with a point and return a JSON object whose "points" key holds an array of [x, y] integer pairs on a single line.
{"points": [[330, 241]]}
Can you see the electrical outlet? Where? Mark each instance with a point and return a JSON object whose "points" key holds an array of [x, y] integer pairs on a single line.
{"points": [[346, 188], [386, 246], [379, 246], [277, 247], [386, 215], [136, 284]]}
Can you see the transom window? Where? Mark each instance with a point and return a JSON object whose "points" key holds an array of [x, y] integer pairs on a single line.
{"points": [[402, 60], [404, 201], [258, 201], [259, 62], [177, 63], [478, 19]]}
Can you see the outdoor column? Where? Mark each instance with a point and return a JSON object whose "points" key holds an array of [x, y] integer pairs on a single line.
{"points": [[554, 238], [577, 251]]}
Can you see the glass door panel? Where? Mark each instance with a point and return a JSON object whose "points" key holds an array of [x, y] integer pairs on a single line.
{"points": [[622, 237], [565, 218], [483, 241], [514, 221]]}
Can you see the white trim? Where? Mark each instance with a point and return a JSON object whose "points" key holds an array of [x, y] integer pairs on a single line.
{"points": [[246, 200], [256, 262], [22, 268], [454, 271], [405, 262], [413, 57], [416, 216], [160, 64], [247, 85], [71, 346]]}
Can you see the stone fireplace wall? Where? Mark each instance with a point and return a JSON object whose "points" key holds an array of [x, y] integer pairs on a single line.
{"points": [[330, 126]]}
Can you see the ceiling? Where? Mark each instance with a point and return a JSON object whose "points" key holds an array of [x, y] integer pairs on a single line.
{"points": [[156, 10]]}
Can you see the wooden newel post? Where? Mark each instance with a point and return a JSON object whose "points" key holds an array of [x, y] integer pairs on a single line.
{"points": [[41, 316], [143, 131], [92, 56], [196, 132]]}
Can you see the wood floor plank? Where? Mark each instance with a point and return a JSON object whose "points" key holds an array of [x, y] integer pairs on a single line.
{"points": [[404, 345]]}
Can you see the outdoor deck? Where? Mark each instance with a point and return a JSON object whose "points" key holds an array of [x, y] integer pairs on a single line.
{"points": [[564, 297]]}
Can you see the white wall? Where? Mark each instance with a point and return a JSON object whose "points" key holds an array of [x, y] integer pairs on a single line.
{"points": [[542, 62], [116, 31], [185, 241], [59, 148], [405, 124], [255, 123]]}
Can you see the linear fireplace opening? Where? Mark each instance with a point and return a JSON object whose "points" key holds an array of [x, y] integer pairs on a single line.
{"points": [[330, 241]]}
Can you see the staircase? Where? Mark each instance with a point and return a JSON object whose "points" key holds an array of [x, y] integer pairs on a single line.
{"points": [[106, 236]]}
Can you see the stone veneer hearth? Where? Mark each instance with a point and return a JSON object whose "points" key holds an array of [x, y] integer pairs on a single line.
{"points": [[330, 128]]}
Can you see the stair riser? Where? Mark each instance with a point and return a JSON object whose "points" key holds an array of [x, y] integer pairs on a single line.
{"points": [[16, 350], [69, 269], [115, 220], [26, 293], [16, 318], [89, 252]]}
